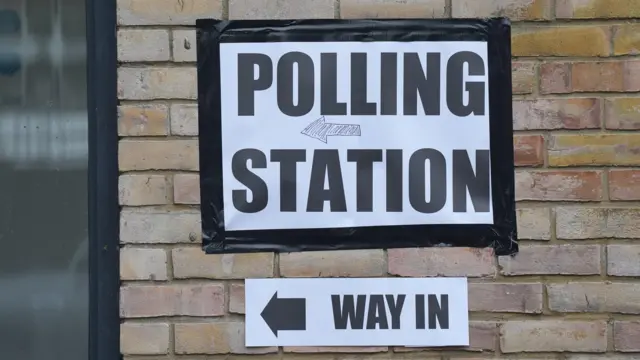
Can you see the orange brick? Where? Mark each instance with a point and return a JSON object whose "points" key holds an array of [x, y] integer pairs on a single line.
{"points": [[372, 9], [523, 77], [158, 155], [626, 40], [551, 114], [622, 113], [195, 263], [597, 9], [552, 260], [186, 189], [553, 336], [528, 150], [214, 338], [143, 120], [142, 301], [561, 41], [624, 185], [559, 185], [144, 339], [594, 150], [515, 10], [416, 262]]}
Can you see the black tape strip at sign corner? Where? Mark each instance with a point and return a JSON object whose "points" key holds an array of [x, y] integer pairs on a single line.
{"points": [[336, 134]]}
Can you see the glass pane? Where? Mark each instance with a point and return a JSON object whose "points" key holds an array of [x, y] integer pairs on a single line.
{"points": [[44, 296]]}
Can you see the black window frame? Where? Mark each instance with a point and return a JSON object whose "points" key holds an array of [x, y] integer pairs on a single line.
{"points": [[104, 211]]}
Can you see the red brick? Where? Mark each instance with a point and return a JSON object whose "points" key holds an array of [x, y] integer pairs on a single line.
{"points": [[623, 260], [415, 262], [553, 336], [576, 223], [593, 76], [214, 338], [597, 76], [626, 336], [482, 337], [552, 260], [624, 185], [518, 298], [551, 114], [622, 113], [632, 75], [595, 297], [342, 263], [236, 298], [143, 301], [559, 185], [195, 263], [528, 150], [186, 189]]}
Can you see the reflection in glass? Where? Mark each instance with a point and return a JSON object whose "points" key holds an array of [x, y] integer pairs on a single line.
{"points": [[44, 293]]}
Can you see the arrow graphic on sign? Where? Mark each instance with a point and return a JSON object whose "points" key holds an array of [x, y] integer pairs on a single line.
{"points": [[320, 129], [285, 314]]}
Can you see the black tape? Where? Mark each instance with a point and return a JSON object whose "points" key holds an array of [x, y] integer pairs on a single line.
{"points": [[501, 235]]}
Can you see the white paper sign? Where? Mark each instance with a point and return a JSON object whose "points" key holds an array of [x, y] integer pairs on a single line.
{"points": [[357, 312], [352, 134]]}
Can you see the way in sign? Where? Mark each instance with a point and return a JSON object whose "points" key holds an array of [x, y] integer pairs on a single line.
{"points": [[383, 311], [357, 312]]}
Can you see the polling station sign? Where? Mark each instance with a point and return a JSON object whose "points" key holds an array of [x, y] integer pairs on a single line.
{"points": [[327, 134]]}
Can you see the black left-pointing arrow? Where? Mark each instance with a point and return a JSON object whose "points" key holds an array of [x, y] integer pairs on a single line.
{"points": [[282, 314]]}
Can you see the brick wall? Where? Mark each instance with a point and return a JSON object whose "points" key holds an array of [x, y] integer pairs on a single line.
{"points": [[574, 289]]}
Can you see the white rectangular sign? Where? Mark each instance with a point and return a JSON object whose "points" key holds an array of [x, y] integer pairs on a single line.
{"points": [[353, 134], [357, 312]]}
